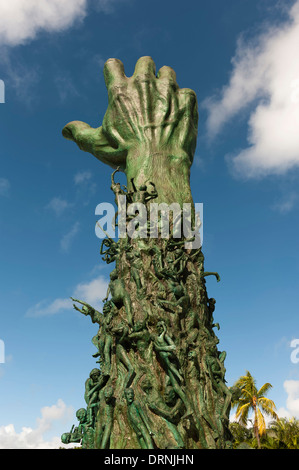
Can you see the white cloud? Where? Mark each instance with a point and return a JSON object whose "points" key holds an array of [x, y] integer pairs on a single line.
{"points": [[98, 60], [30, 438], [45, 307], [292, 403], [4, 187], [23, 20], [91, 292], [82, 177], [67, 239], [199, 162], [286, 204], [58, 205], [19, 77], [265, 76]]}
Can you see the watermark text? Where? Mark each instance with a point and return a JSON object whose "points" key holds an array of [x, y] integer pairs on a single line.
{"points": [[2, 92], [137, 220], [295, 353], [2, 352]]}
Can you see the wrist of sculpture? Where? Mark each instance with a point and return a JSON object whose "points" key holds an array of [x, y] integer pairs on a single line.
{"points": [[168, 170]]}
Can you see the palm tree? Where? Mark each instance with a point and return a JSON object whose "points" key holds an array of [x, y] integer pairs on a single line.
{"points": [[252, 399]]}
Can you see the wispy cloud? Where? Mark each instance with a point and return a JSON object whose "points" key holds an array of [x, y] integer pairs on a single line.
{"points": [[4, 187], [98, 60], [264, 80], [46, 308], [106, 6], [68, 238], [91, 292], [58, 205], [287, 204], [65, 86], [20, 79], [82, 177], [84, 185], [199, 162]]}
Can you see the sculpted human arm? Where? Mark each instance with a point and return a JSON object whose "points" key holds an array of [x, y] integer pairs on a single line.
{"points": [[150, 123]]}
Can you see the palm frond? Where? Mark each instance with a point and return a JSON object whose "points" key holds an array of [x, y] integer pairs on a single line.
{"points": [[246, 386], [264, 390], [242, 413], [260, 422], [268, 406], [247, 394], [244, 380]]}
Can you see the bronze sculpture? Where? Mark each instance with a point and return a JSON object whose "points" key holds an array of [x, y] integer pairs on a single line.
{"points": [[156, 340]]}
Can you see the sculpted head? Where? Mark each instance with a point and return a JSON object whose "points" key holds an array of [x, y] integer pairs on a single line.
{"points": [[81, 414], [108, 394], [95, 374], [129, 395]]}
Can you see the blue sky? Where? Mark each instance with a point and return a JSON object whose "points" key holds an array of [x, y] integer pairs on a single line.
{"points": [[240, 58]]}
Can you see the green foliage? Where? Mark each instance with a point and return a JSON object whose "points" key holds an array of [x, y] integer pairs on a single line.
{"points": [[282, 433], [242, 436], [247, 398]]}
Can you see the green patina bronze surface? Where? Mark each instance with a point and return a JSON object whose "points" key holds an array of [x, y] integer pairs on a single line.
{"points": [[149, 129], [160, 379]]}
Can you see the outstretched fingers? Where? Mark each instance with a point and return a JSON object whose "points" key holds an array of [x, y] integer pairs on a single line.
{"points": [[188, 105], [95, 141], [145, 66], [114, 72], [81, 133], [167, 73]]}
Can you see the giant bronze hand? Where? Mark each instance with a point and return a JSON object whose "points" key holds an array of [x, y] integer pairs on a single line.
{"points": [[149, 129]]}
